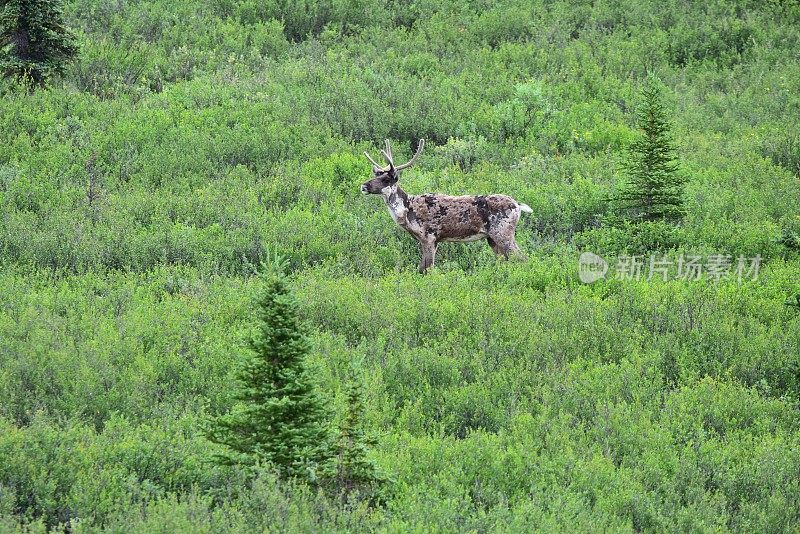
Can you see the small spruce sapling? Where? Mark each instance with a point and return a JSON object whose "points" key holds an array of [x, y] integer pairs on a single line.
{"points": [[356, 477], [654, 189]]}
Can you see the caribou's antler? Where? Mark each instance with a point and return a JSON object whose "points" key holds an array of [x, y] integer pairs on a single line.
{"points": [[375, 166], [410, 162], [389, 157]]}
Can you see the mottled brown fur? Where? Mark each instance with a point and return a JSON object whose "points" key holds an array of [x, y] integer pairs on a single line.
{"points": [[457, 218]]}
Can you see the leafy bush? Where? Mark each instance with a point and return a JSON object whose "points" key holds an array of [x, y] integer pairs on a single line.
{"points": [[637, 239], [722, 40]]}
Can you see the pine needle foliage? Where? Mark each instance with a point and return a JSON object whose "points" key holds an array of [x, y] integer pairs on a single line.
{"points": [[654, 189], [357, 477], [280, 419], [34, 42]]}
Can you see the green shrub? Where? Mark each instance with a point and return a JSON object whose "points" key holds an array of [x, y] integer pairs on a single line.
{"points": [[635, 239]]}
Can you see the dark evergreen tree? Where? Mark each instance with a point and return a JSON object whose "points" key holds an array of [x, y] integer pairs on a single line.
{"points": [[280, 418], [654, 190], [356, 476], [34, 43]]}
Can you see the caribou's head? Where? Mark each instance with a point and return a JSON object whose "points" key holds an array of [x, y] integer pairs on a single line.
{"points": [[383, 182], [384, 179]]}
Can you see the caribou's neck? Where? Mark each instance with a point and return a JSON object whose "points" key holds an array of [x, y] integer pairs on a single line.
{"points": [[397, 202]]}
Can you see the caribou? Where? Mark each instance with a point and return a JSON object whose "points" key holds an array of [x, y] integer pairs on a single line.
{"points": [[432, 218]]}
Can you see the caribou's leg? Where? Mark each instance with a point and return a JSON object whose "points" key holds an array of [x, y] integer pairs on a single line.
{"points": [[505, 246], [428, 255], [497, 247], [514, 248]]}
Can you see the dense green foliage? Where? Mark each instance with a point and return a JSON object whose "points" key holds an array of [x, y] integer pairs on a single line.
{"points": [[140, 193], [654, 190], [34, 44], [280, 418]]}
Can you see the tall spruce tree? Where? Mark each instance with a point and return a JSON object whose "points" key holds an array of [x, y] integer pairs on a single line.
{"points": [[280, 419], [34, 43], [654, 189]]}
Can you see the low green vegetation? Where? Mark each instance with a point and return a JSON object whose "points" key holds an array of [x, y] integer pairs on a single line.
{"points": [[143, 190]]}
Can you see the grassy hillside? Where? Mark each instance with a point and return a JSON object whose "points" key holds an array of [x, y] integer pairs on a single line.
{"points": [[191, 140]]}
